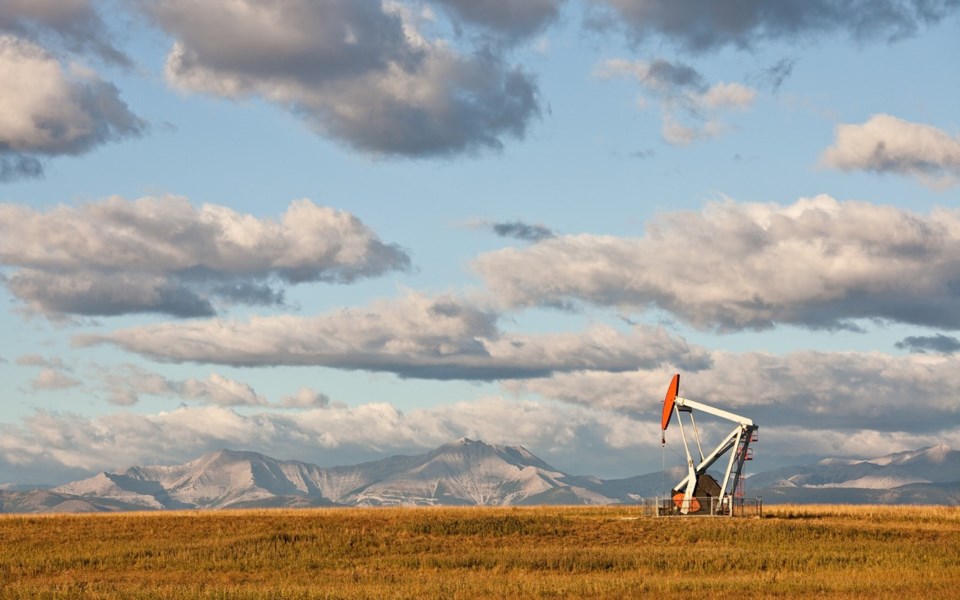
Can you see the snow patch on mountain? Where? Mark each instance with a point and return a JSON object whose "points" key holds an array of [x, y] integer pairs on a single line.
{"points": [[934, 454], [873, 482]]}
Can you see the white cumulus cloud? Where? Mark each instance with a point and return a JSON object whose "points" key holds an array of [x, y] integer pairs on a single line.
{"points": [[55, 110], [117, 256], [421, 336], [355, 71], [886, 144], [305, 398], [74, 25], [53, 373], [818, 263], [820, 390]]}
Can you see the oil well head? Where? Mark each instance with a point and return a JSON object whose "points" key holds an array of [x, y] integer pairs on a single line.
{"points": [[699, 491]]}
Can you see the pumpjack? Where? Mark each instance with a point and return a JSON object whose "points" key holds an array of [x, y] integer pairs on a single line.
{"points": [[698, 492]]}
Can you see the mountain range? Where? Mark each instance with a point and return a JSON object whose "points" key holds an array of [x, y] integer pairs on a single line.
{"points": [[925, 476], [464, 473]]}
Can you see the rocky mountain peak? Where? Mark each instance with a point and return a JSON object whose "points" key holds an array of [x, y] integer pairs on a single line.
{"points": [[462, 472]]}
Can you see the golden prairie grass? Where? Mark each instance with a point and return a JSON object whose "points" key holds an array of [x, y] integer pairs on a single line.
{"points": [[547, 552]]}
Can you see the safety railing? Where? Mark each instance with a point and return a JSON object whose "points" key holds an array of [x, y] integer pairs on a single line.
{"points": [[747, 507], [730, 506]]}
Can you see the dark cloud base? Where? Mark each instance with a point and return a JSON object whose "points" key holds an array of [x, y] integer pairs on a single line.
{"points": [[706, 25], [522, 231], [942, 344]]}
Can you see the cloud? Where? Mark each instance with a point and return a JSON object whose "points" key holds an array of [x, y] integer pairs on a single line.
{"points": [[354, 71], [517, 230], [305, 398], [886, 144], [705, 25], [942, 344], [103, 294], [54, 447], [661, 77], [514, 19], [52, 379], [418, 336], [820, 391], [125, 386], [73, 25], [727, 95], [860, 444], [35, 360], [677, 134], [773, 76], [810, 403], [54, 112], [817, 263], [18, 166], [53, 373], [220, 391], [684, 95], [164, 255]]}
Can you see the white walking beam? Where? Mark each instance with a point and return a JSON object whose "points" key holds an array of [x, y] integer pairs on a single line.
{"points": [[687, 403]]}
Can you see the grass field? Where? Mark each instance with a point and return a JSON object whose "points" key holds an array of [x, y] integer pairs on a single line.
{"points": [[792, 552]]}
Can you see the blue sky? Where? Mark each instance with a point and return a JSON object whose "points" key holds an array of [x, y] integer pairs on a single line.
{"points": [[505, 220]]}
